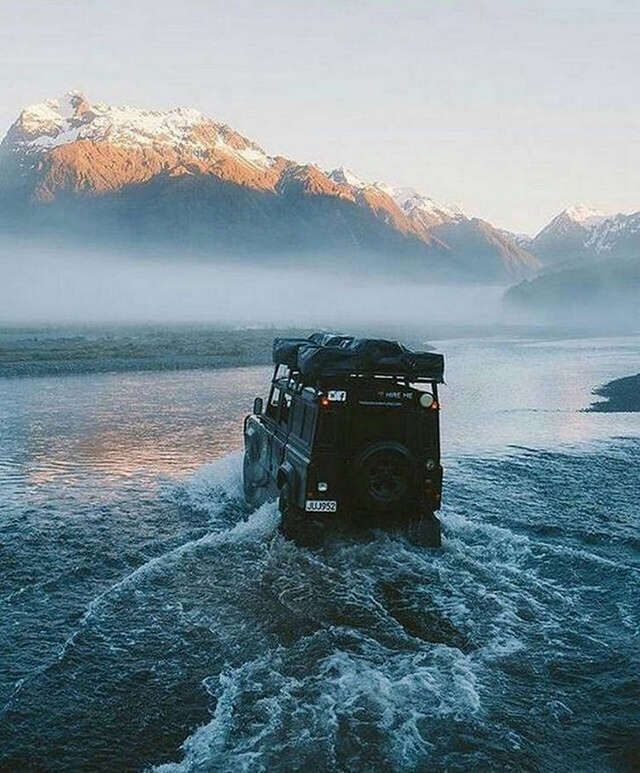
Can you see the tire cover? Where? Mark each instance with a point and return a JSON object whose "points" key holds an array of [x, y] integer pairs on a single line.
{"points": [[384, 476], [253, 474]]}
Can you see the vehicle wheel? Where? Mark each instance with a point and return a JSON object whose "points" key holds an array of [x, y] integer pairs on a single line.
{"points": [[384, 477], [289, 517], [254, 493], [425, 530]]}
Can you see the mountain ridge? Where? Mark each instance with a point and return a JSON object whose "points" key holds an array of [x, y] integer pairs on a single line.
{"points": [[70, 161], [592, 269], [581, 233]]}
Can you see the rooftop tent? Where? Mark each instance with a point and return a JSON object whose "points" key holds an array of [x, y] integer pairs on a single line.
{"points": [[368, 355], [326, 355], [285, 351], [330, 339]]}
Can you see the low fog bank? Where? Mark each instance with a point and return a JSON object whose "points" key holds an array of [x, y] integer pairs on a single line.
{"points": [[600, 295], [39, 287], [609, 312]]}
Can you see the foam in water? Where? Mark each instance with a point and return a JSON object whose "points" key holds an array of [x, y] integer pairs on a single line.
{"points": [[198, 638]]}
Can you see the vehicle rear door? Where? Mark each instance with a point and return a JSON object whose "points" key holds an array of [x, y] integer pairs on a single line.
{"points": [[276, 419], [280, 417], [260, 436]]}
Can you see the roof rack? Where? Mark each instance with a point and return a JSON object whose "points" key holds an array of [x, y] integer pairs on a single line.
{"points": [[325, 355]]}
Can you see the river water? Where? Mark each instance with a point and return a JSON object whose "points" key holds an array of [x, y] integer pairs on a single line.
{"points": [[147, 619]]}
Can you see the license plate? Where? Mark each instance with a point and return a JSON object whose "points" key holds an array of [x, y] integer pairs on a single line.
{"points": [[321, 506]]}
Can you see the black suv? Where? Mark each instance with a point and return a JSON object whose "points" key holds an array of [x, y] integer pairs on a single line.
{"points": [[349, 436]]}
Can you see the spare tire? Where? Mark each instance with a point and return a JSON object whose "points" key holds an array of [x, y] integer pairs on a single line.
{"points": [[384, 476], [254, 478]]}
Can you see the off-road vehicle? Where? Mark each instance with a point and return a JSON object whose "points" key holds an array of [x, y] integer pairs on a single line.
{"points": [[349, 436]]}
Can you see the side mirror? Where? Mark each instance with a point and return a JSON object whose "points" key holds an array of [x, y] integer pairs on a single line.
{"points": [[258, 405]]}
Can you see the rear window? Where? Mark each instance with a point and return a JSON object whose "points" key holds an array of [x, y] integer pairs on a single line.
{"points": [[285, 408], [274, 403]]}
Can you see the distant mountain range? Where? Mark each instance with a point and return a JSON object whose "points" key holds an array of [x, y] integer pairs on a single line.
{"points": [[600, 293], [178, 183], [591, 269], [175, 180], [582, 233]]}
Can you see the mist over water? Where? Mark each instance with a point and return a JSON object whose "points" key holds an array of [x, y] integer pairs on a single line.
{"points": [[56, 286]]}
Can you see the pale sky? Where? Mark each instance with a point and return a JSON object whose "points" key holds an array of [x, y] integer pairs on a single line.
{"points": [[512, 109]]}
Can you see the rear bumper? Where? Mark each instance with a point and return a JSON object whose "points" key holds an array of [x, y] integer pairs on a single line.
{"points": [[335, 512], [424, 494], [420, 527], [427, 500]]}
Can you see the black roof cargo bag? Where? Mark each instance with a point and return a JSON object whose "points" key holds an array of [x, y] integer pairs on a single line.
{"points": [[285, 351], [329, 339], [368, 355]]}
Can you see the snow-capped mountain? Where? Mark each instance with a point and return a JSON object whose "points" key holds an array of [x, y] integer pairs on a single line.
{"points": [[422, 208], [618, 235], [345, 176], [581, 233], [54, 123], [71, 145], [473, 241], [425, 210], [176, 177], [584, 215], [593, 269]]}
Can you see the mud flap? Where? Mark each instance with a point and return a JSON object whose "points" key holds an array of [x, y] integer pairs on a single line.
{"points": [[296, 525], [425, 531]]}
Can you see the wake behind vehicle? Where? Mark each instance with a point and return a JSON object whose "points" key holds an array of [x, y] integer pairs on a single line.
{"points": [[349, 438]]}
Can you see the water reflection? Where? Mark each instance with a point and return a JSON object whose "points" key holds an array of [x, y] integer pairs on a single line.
{"points": [[78, 429], [505, 393], [121, 425]]}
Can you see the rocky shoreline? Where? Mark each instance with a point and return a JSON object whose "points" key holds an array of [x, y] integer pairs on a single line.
{"points": [[112, 349], [622, 396], [74, 350]]}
